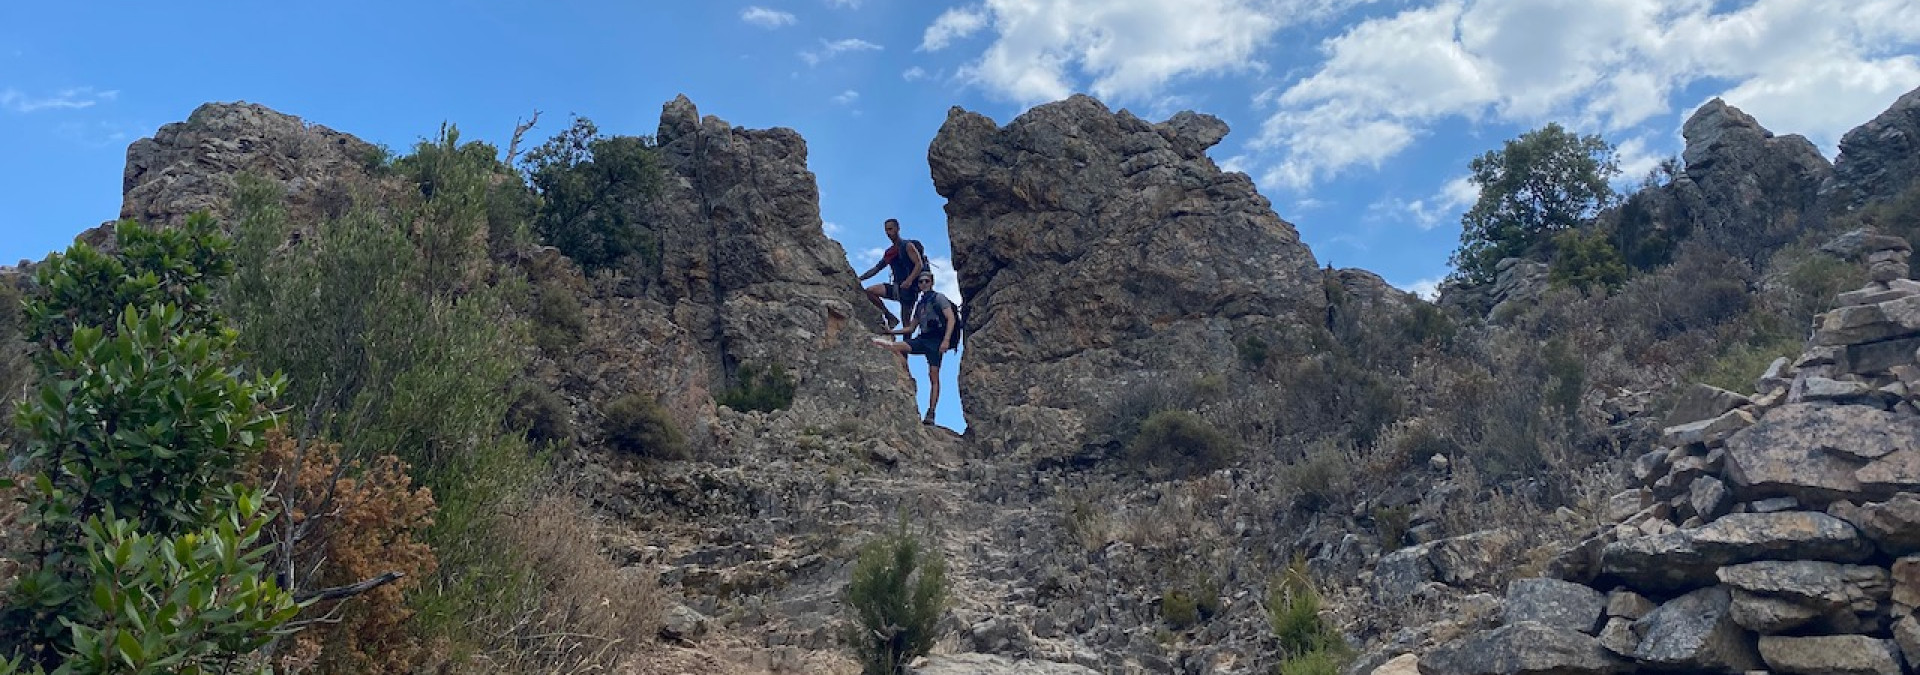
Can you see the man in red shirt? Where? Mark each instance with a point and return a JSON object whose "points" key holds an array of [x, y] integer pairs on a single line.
{"points": [[907, 259]]}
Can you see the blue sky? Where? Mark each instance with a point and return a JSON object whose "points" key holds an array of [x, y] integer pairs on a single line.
{"points": [[1355, 117]]}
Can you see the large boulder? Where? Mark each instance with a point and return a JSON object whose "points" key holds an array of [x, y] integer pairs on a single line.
{"points": [[1689, 558], [1814, 452], [1774, 596], [1695, 633], [1894, 524], [1830, 655], [1556, 603], [1525, 648], [1097, 253]]}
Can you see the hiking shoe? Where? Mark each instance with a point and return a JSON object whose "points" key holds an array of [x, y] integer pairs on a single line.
{"points": [[881, 342], [928, 420]]}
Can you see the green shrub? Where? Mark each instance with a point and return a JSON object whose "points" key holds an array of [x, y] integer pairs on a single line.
{"points": [[897, 596], [1178, 443], [1322, 475], [1586, 260], [1392, 522], [1736, 368], [1178, 609], [1316, 662], [756, 390], [1253, 351], [1293, 612], [195, 602], [133, 445], [592, 188], [635, 423], [1428, 325], [1184, 608], [558, 323], [542, 415], [1566, 377]]}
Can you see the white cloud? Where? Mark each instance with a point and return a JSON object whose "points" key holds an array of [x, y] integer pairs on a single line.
{"points": [[913, 74], [954, 24], [75, 98], [831, 48], [1126, 50], [946, 280], [1800, 66], [766, 18], [844, 4], [847, 97], [831, 228], [1459, 193], [1428, 289]]}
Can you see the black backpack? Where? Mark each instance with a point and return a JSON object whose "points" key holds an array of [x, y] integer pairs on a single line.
{"points": [[933, 325]]}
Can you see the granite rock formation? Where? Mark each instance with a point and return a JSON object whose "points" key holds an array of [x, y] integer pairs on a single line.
{"points": [[1879, 159], [189, 166], [1097, 251]]}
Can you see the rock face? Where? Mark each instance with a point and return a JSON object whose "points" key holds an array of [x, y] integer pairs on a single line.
{"points": [[1783, 521], [190, 166], [748, 273], [1880, 158], [1749, 176], [1096, 252]]}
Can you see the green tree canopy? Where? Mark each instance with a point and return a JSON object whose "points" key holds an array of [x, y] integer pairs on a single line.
{"points": [[592, 187], [1545, 181]]}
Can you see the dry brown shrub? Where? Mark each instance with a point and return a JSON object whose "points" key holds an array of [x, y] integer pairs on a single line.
{"points": [[582, 612], [345, 522]]}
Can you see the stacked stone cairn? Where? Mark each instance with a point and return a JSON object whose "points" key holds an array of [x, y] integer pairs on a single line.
{"points": [[1775, 532]]}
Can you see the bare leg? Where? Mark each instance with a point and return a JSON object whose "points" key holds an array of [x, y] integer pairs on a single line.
{"points": [[874, 294], [933, 392]]}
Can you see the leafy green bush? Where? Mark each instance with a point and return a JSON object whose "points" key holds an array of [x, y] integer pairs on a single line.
{"points": [[195, 602], [1586, 260], [635, 423], [1178, 443], [897, 596], [133, 444], [592, 189], [757, 390], [1322, 475]]}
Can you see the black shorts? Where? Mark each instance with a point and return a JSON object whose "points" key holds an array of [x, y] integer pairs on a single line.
{"points": [[902, 293], [928, 346]]}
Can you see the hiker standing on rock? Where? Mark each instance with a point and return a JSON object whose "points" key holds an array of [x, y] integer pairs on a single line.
{"points": [[908, 259], [939, 324]]}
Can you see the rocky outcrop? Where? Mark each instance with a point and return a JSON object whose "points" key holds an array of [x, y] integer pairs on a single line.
{"points": [[748, 274], [1776, 526], [1744, 188], [1096, 252], [1880, 159], [190, 166]]}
